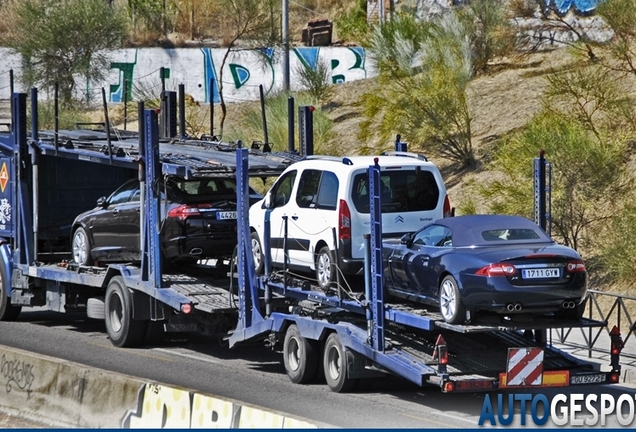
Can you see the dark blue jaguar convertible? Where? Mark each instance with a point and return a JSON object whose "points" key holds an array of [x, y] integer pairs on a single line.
{"points": [[486, 263]]}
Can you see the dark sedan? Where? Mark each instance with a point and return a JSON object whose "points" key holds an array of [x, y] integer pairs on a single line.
{"points": [[200, 223], [486, 263]]}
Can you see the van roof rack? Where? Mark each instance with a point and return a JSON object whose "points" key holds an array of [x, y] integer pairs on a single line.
{"points": [[405, 154]]}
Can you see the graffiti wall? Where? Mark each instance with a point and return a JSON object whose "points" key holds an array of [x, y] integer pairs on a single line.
{"points": [[136, 72], [161, 407]]}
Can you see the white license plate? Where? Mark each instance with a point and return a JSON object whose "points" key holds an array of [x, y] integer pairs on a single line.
{"points": [[224, 215], [586, 379], [540, 273]]}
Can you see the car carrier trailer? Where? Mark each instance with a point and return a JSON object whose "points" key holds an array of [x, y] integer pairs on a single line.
{"points": [[351, 338]]}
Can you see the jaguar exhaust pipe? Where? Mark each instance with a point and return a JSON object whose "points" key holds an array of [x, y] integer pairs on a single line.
{"points": [[518, 307], [514, 307], [569, 305]]}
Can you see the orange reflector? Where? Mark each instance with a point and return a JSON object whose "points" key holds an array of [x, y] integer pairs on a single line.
{"points": [[550, 379], [449, 386], [474, 385], [186, 308]]}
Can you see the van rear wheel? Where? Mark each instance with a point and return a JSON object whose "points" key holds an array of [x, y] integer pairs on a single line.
{"points": [[325, 268]]}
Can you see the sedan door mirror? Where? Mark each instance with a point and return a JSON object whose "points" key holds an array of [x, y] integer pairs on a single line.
{"points": [[407, 239], [101, 202]]}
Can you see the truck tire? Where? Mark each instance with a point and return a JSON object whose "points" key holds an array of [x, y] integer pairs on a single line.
{"points": [[257, 254], [300, 356], [122, 330], [81, 247], [335, 366], [450, 303], [325, 268], [8, 312]]}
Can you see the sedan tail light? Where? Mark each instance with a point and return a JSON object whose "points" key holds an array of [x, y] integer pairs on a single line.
{"points": [[498, 269], [184, 211], [344, 221], [575, 266]]}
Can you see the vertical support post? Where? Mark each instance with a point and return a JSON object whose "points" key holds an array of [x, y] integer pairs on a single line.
{"points": [[248, 284], [126, 104], [141, 176], [262, 96], [375, 188], [399, 145], [285, 35], [34, 114], [540, 190], [182, 122], [56, 115], [151, 221], [107, 126], [212, 106], [19, 134], [291, 124], [11, 90], [31, 240], [306, 130], [368, 290]]}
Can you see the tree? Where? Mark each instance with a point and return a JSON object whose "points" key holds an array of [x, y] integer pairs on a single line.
{"points": [[620, 16], [250, 22], [424, 71], [491, 34], [584, 142], [61, 40]]}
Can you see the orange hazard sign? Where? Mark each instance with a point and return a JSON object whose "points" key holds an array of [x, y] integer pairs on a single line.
{"points": [[4, 177]]}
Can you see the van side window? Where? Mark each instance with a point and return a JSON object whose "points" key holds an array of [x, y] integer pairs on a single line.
{"points": [[283, 189], [307, 195], [328, 191]]}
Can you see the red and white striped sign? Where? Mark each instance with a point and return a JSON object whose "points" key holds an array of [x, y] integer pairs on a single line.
{"points": [[525, 367]]}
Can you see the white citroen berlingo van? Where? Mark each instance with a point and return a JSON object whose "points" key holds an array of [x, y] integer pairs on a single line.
{"points": [[324, 203]]}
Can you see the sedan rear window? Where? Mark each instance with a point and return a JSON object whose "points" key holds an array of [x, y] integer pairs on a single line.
{"points": [[510, 234]]}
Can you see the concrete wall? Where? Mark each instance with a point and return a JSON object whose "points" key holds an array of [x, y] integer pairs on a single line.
{"points": [[66, 394]]}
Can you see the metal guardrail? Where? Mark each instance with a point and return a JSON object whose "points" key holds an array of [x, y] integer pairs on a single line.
{"points": [[610, 308]]}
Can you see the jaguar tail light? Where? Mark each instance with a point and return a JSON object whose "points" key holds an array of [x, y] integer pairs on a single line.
{"points": [[184, 211], [575, 266], [498, 269], [344, 221]]}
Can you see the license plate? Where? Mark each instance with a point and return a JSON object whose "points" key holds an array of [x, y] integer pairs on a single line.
{"points": [[587, 379], [540, 273], [224, 215]]}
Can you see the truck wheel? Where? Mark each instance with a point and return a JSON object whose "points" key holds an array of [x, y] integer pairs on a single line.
{"points": [[122, 330], [325, 268], [81, 247], [257, 253], [299, 356], [335, 366], [8, 312], [450, 304]]}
